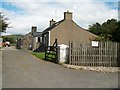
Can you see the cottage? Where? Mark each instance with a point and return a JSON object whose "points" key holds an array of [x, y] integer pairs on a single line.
{"points": [[66, 30], [32, 40]]}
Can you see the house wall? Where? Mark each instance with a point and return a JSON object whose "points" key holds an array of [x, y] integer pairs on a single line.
{"points": [[26, 40], [36, 43], [67, 31], [46, 39]]}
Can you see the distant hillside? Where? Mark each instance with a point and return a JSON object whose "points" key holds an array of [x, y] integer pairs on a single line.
{"points": [[15, 36], [12, 38]]}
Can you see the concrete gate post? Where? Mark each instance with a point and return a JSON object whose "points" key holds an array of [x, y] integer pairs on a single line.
{"points": [[63, 53]]}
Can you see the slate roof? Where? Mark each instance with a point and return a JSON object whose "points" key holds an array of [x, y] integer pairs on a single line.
{"points": [[36, 34], [52, 26]]}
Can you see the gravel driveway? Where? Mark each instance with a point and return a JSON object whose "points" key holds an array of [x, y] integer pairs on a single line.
{"points": [[22, 70]]}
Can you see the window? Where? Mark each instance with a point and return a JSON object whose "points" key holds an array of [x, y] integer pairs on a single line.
{"points": [[38, 39]]}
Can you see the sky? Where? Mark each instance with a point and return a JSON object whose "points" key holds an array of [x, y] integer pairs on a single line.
{"points": [[23, 14]]}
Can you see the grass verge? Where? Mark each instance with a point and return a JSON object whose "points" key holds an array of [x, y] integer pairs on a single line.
{"points": [[40, 55]]}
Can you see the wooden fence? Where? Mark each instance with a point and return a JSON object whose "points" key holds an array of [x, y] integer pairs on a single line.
{"points": [[107, 54]]}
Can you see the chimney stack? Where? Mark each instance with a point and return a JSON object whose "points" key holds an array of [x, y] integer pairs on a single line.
{"points": [[52, 22], [67, 15], [34, 29]]}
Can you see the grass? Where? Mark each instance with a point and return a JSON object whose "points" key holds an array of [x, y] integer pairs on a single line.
{"points": [[40, 55]]}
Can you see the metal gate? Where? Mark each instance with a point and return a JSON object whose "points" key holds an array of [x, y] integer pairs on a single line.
{"points": [[51, 52]]}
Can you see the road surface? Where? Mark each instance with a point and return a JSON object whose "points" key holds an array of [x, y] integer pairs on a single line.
{"points": [[22, 70]]}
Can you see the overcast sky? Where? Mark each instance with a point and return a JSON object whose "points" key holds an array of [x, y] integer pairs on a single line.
{"points": [[23, 14]]}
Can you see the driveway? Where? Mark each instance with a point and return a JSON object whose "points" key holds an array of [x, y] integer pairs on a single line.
{"points": [[22, 70]]}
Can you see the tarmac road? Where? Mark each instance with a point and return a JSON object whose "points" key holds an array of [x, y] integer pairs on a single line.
{"points": [[0, 69], [22, 70]]}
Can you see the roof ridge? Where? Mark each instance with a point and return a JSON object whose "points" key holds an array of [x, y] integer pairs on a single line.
{"points": [[53, 26]]}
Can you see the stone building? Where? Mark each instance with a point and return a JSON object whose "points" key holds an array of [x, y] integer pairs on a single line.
{"points": [[32, 40], [66, 30]]}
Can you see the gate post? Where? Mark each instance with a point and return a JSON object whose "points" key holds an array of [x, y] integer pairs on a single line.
{"points": [[56, 47], [45, 52], [63, 53], [69, 61]]}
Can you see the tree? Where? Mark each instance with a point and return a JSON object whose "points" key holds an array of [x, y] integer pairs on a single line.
{"points": [[95, 28], [3, 23], [10, 39], [108, 28], [106, 31], [116, 34]]}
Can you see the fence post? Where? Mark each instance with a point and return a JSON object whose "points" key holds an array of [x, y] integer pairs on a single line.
{"points": [[69, 61], [70, 52], [118, 55], [45, 52]]}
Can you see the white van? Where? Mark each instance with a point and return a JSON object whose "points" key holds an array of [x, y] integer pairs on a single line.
{"points": [[7, 43]]}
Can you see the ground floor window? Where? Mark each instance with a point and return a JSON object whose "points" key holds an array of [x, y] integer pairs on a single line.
{"points": [[39, 39]]}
